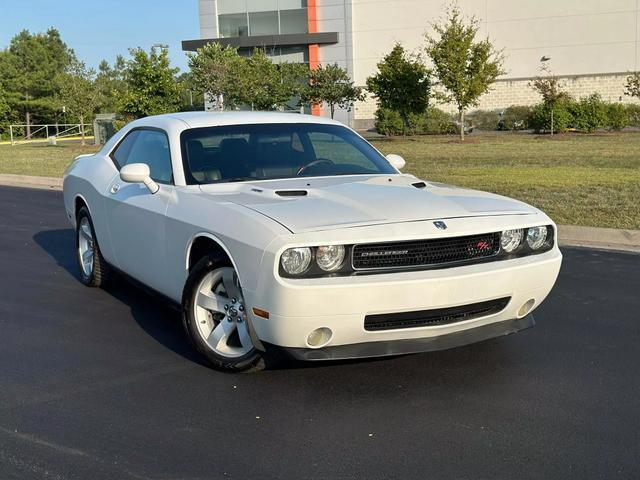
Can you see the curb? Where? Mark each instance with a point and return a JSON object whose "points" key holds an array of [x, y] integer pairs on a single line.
{"points": [[47, 183], [595, 237], [568, 235]]}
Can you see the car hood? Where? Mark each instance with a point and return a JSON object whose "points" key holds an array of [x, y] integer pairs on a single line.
{"points": [[314, 204]]}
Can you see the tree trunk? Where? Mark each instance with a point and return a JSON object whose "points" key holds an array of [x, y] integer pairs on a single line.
{"points": [[461, 124], [332, 107], [28, 122], [552, 121], [82, 128], [406, 125]]}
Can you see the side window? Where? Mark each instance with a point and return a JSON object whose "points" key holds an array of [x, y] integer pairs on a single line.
{"points": [[121, 153], [146, 146]]}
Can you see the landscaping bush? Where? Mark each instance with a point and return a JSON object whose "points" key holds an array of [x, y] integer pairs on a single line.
{"points": [[517, 117], [617, 116], [388, 122], [540, 119], [485, 119], [589, 113], [433, 122], [436, 122], [633, 113]]}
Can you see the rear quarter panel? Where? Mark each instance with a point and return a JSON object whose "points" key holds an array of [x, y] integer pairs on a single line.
{"points": [[88, 178]]}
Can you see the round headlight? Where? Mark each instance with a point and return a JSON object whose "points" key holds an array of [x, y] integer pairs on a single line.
{"points": [[295, 261], [511, 239], [330, 258], [536, 236]]}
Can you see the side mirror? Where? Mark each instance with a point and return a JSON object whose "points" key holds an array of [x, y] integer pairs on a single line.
{"points": [[396, 161], [139, 173]]}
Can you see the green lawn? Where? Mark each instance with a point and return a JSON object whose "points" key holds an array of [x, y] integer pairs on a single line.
{"points": [[40, 160], [576, 179]]}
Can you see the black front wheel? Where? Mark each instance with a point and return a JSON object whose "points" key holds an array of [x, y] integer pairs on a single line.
{"points": [[215, 317]]}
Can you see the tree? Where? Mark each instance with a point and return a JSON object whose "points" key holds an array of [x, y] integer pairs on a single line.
{"points": [[466, 68], [265, 85], [110, 83], [331, 84], [4, 110], [632, 87], [214, 72], [402, 84], [549, 87], [150, 84], [78, 92], [28, 69]]}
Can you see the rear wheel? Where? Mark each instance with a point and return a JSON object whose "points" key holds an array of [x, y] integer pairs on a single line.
{"points": [[215, 317], [94, 270]]}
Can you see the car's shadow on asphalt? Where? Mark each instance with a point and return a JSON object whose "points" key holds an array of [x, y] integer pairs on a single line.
{"points": [[161, 320], [152, 313]]}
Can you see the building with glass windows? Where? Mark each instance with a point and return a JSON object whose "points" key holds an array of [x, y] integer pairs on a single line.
{"points": [[591, 45]]}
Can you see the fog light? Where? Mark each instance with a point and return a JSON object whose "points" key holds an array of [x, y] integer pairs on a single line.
{"points": [[319, 337], [526, 308]]}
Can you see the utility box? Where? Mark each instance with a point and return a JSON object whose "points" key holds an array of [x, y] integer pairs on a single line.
{"points": [[104, 127]]}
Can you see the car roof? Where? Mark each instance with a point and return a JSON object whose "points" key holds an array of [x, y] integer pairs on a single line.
{"points": [[213, 119]]}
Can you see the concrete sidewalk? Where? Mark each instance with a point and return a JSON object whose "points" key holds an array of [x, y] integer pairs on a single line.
{"points": [[568, 235]]}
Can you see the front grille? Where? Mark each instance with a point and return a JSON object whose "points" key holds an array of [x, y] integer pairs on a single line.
{"points": [[425, 253], [431, 318]]}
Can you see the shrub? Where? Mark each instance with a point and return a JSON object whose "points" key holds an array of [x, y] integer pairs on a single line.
{"points": [[389, 122], [589, 113], [433, 122], [517, 117], [436, 122], [617, 116], [485, 119], [633, 113], [540, 119]]}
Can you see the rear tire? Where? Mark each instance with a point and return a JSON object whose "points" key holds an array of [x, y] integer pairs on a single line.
{"points": [[214, 317], [94, 270]]}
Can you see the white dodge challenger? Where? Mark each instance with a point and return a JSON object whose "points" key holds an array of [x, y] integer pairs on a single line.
{"points": [[291, 232]]}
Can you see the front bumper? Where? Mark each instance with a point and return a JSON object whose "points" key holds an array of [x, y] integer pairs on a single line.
{"points": [[413, 345], [296, 308]]}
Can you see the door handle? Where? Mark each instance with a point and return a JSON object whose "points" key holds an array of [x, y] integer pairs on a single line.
{"points": [[114, 188]]}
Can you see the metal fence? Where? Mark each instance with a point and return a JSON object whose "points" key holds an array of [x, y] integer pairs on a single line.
{"points": [[21, 134]]}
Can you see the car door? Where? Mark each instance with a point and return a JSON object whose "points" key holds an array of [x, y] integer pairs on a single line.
{"points": [[136, 217]]}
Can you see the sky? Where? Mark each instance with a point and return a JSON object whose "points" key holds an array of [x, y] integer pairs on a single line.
{"points": [[102, 29]]}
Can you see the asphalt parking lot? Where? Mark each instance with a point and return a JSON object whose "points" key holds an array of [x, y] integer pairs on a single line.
{"points": [[102, 385]]}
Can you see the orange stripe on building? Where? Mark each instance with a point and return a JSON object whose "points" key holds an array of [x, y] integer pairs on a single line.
{"points": [[314, 50]]}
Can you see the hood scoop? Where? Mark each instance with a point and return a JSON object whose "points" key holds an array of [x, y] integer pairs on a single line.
{"points": [[291, 193], [419, 185]]}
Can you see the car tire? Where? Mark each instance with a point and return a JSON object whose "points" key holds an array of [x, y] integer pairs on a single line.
{"points": [[214, 322], [94, 270]]}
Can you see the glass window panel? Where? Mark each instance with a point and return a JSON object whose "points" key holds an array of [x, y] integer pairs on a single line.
{"points": [[234, 25], [294, 21], [291, 4], [263, 23], [292, 54], [231, 6], [262, 5]]}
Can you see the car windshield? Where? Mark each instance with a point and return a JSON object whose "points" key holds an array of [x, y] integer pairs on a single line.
{"points": [[235, 153]]}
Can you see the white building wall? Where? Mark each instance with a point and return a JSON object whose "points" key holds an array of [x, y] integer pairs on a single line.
{"points": [[592, 43], [335, 16], [208, 10]]}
